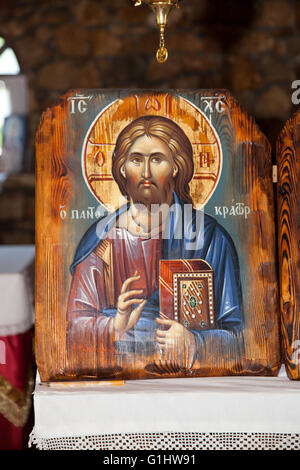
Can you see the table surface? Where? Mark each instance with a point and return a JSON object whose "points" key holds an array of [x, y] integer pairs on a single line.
{"points": [[214, 404], [16, 288]]}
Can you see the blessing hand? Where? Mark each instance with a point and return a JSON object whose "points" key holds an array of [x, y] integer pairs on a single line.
{"points": [[127, 316]]}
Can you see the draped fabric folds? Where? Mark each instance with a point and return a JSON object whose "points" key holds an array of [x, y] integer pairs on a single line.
{"points": [[16, 387]]}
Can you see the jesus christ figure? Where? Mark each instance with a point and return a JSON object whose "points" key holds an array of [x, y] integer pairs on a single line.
{"points": [[113, 307]]}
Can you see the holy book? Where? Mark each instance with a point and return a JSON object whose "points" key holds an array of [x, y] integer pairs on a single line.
{"points": [[186, 292]]}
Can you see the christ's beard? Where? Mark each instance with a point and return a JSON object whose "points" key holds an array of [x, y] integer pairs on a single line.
{"points": [[154, 195]]}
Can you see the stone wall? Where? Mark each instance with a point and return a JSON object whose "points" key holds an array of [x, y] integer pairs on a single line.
{"points": [[251, 47]]}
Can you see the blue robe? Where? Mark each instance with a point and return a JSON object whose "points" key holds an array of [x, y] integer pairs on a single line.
{"points": [[211, 243]]}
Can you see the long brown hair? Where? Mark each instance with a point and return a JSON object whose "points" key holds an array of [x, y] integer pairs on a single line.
{"points": [[172, 135]]}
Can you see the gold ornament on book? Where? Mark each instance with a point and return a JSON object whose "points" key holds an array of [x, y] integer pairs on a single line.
{"points": [[161, 9]]}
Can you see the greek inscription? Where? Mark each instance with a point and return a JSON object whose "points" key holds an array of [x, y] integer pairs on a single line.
{"points": [[75, 214], [238, 209], [213, 103], [90, 213], [62, 212], [79, 103], [205, 159]]}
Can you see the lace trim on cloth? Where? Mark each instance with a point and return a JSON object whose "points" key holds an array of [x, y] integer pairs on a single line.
{"points": [[15, 405], [171, 441]]}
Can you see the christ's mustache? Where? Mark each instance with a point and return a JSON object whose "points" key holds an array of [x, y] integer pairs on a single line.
{"points": [[142, 182]]}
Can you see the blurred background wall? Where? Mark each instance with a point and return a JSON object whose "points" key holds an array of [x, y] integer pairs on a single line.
{"points": [[251, 47]]}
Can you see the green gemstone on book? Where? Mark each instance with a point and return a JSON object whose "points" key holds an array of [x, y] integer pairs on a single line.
{"points": [[193, 302]]}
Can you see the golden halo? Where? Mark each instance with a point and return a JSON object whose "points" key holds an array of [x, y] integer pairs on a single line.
{"points": [[101, 138]]}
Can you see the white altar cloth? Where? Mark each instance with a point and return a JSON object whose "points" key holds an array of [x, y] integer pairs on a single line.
{"points": [[16, 288], [197, 405]]}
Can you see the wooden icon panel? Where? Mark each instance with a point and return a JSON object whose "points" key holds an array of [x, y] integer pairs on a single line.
{"points": [[288, 161], [216, 162]]}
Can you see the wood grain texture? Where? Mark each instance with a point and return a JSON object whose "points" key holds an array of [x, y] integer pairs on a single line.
{"points": [[52, 185], [288, 160], [245, 179]]}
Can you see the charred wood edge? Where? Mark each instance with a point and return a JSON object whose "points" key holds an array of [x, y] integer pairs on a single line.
{"points": [[288, 238]]}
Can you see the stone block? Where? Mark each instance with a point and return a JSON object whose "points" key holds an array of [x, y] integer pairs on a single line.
{"points": [[57, 75], [72, 41], [88, 76], [245, 74], [275, 14], [91, 13], [103, 43], [273, 103]]}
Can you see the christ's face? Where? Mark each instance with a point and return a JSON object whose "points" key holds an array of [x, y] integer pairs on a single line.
{"points": [[149, 171]]}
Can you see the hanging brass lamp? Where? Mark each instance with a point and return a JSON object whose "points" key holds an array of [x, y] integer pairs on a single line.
{"points": [[161, 8]]}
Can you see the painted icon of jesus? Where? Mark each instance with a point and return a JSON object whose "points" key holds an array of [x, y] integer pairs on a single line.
{"points": [[113, 307]]}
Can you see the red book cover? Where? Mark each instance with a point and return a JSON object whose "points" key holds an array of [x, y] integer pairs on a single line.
{"points": [[187, 293]]}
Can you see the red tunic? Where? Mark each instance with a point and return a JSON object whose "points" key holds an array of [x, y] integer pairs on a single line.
{"points": [[90, 332]]}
